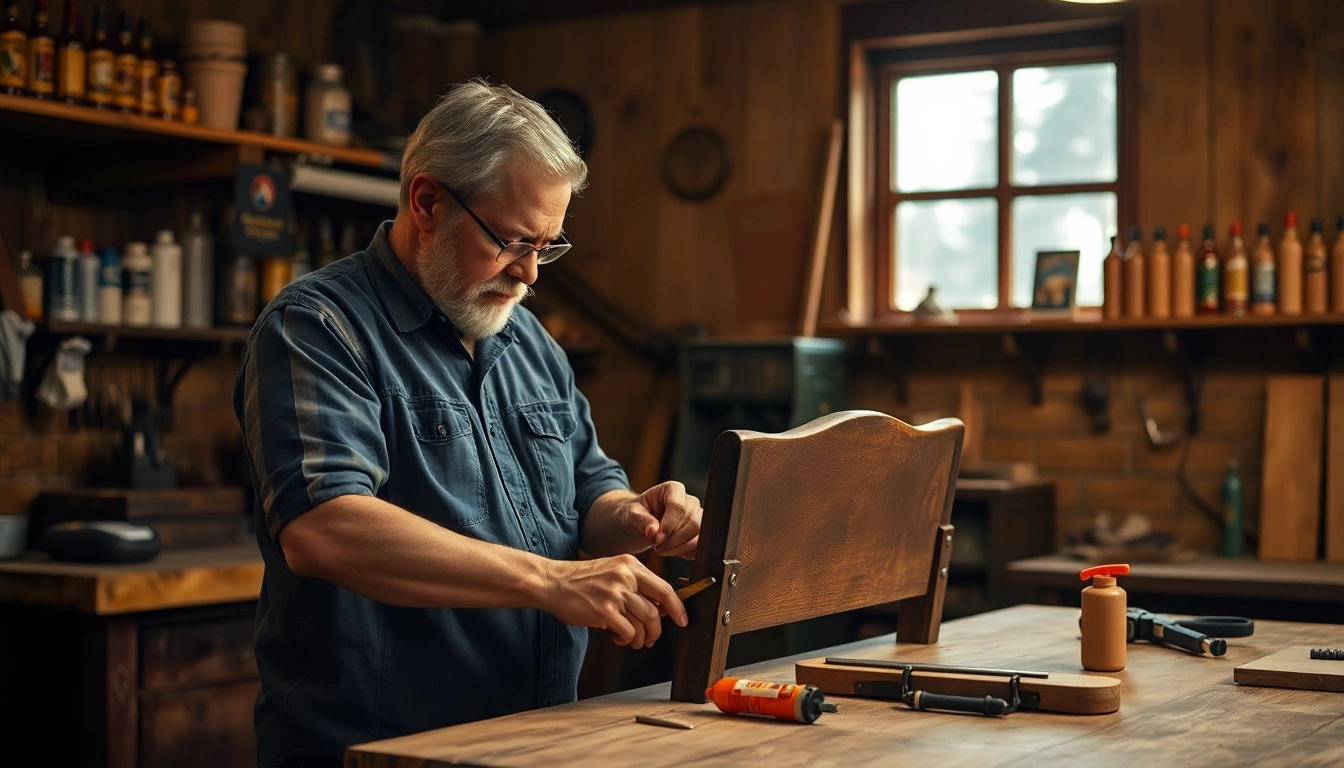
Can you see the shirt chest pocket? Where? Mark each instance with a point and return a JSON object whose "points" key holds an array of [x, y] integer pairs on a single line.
{"points": [[448, 457], [548, 427]]}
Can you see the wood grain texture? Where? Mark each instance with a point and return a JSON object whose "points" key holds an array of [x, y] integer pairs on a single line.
{"points": [[1329, 34], [1061, 692], [840, 513], [1334, 470], [1206, 576], [173, 580], [1176, 708], [1294, 668], [1290, 503]]}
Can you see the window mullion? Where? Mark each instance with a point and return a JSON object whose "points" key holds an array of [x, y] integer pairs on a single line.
{"points": [[1004, 194]]}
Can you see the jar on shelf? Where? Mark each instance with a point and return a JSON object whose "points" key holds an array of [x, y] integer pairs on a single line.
{"points": [[279, 87], [327, 107]]}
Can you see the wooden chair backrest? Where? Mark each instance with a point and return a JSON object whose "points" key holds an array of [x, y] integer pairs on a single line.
{"points": [[848, 511]]}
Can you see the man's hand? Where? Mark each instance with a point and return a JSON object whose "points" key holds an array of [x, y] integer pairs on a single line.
{"points": [[666, 517], [617, 594]]}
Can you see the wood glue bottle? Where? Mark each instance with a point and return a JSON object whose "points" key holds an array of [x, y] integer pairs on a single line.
{"points": [[1315, 283], [1159, 276], [1104, 622], [1236, 275], [1112, 275], [1183, 275], [1264, 292], [1290, 268], [1337, 271], [1136, 301]]}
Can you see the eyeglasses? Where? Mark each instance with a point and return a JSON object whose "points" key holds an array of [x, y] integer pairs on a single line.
{"points": [[511, 252]]}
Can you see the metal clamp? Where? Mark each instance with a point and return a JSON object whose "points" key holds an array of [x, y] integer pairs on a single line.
{"points": [[989, 706]]}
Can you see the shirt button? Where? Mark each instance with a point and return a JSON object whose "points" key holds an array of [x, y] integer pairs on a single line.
{"points": [[443, 431], [534, 539], [494, 432]]}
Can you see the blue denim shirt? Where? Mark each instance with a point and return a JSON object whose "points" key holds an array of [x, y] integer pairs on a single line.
{"points": [[353, 382]]}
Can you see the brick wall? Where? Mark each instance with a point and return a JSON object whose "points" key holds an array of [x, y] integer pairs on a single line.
{"points": [[1116, 471], [45, 452]]}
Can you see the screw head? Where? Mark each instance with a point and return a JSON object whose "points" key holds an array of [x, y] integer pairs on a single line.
{"points": [[948, 540], [732, 580], [943, 574], [727, 618]]}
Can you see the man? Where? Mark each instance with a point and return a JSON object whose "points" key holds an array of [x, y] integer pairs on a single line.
{"points": [[426, 471]]}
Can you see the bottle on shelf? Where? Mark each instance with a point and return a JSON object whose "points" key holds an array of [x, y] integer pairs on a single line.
{"points": [[146, 73], [198, 273], [137, 285], [89, 269], [1234, 537], [1290, 268], [101, 83], [63, 281], [191, 114], [31, 286], [1159, 276], [1337, 271], [238, 291], [1208, 276], [70, 59], [166, 293], [327, 107], [1135, 276], [1263, 278], [13, 52], [109, 286], [1183, 275], [1236, 278], [170, 90], [41, 54], [126, 65], [276, 273], [1315, 283]]}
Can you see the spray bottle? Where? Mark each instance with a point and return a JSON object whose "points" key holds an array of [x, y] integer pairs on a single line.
{"points": [[1104, 622]]}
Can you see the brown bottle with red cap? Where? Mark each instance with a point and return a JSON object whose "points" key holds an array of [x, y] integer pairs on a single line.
{"points": [[1104, 621]]}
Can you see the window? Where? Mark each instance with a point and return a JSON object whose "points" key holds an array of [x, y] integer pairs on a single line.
{"points": [[984, 160]]}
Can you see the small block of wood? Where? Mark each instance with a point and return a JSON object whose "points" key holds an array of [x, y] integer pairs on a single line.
{"points": [[1061, 692], [1292, 668]]}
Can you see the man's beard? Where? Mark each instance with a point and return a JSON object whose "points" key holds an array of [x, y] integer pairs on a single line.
{"points": [[474, 316]]}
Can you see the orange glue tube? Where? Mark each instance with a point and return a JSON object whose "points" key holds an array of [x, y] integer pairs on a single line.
{"points": [[796, 703]]}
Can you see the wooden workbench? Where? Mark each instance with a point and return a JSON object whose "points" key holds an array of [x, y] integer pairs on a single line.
{"points": [[1177, 710], [144, 664]]}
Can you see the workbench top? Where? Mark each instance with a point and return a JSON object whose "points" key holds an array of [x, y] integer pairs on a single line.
{"points": [[1207, 575], [175, 579], [1177, 709]]}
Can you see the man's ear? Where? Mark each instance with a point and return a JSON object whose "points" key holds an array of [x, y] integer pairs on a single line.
{"points": [[424, 195]]}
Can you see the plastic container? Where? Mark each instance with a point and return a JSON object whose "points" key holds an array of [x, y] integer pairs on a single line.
{"points": [[13, 535], [166, 296], [1104, 621], [214, 39], [63, 281], [31, 285], [218, 85], [109, 286], [136, 308], [198, 274], [89, 268], [327, 107]]}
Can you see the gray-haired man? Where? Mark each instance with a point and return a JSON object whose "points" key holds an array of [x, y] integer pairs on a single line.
{"points": [[426, 471]]}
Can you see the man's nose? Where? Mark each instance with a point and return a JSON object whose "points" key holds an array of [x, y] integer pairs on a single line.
{"points": [[524, 270]]}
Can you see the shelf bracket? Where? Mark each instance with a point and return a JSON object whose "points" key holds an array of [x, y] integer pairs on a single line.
{"points": [[895, 353], [1031, 350]]}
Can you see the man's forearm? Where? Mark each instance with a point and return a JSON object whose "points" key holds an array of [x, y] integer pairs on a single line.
{"points": [[383, 552], [603, 533]]}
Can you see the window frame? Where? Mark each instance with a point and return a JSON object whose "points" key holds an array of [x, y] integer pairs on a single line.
{"points": [[872, 57]]}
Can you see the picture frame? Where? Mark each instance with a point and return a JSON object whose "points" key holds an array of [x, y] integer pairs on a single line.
{"points": [[1055, 286]]}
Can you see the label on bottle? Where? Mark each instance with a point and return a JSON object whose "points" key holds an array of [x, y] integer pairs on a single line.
{"points": [[42, 65], [110, 275], [170, 94], [70, 73], [127, 67], [1206, 286], [762, 689], [1314, 262], [147, 86], [1263, 289], [102, 77], [62, 287], [338, 120], [13, 59], [1236, 288]]}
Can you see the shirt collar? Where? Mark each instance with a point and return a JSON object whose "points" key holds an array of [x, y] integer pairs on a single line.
{"points": [[406, 302]]}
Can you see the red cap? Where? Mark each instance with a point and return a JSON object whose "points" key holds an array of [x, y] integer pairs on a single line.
{"points": [[1236, 228], [1183, 231], [86, 246], [1115, 569], [1290, 220]]}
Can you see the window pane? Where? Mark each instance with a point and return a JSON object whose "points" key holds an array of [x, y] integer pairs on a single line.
{"points": [[951, 244], [1082, 223], [1064, 124], [947, 132]]}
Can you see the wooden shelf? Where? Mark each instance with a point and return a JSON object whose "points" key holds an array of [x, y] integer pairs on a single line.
{"points": [[220, 335], [46, 121], [1024, 323]]}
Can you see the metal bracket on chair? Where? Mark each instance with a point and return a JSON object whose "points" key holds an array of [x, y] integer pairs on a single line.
{"points": [[729, 589]]}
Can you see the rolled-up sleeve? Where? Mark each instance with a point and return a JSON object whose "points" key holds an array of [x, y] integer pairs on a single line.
{"points": [[310, 417]]}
